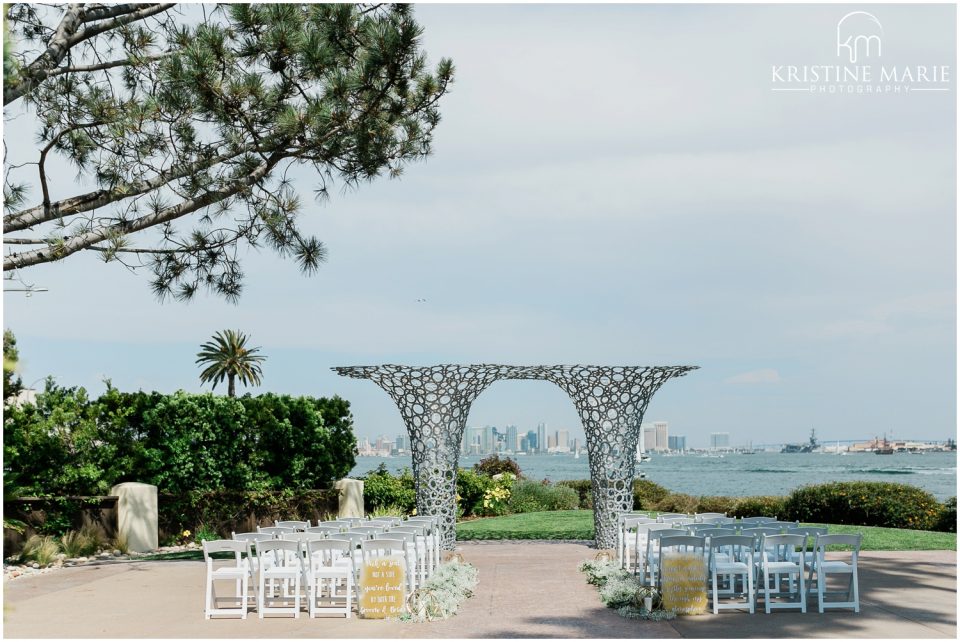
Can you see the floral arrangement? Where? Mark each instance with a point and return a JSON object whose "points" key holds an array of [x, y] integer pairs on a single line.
{"points": [[621, 590], [441, 595]]}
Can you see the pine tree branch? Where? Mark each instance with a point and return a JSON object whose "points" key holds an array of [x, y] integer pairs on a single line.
{"points": [[92, 200], [105, 65], [66, 36], [84, 241]]}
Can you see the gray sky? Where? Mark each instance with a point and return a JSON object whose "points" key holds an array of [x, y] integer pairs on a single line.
{"points": [[610, 185]]}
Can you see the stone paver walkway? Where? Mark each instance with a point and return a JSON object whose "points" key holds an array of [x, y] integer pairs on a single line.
{"points": [[527, 589]]}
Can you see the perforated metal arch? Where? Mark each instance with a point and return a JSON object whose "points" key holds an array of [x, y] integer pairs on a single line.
{"points": [[434, 402]]}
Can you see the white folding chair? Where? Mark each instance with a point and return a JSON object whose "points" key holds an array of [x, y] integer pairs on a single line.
{"points": [[329, 584], [679, 544], [294, 524], [276, 531], [423, 541], [701, 517], [777, 558], [731, 556], [386, 520], [329, 530], [414, 577], [823, 567], [235, 569], [288, 570], [672, 517], [810, 532], [369, 530], [627, 539], [751, 522], [375, 548], [651, 560], [253, 538], [433, 521]]}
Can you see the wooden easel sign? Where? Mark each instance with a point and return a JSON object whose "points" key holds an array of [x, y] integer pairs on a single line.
{"points": [[381, 587]]}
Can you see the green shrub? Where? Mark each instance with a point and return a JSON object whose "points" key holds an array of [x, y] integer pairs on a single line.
{"points": [[677, 503], [584, 488], [646, 494], [948, 516], [761, 506], [471, 487], [716, 504], [381, 489], [493, 465], [204, 533], [42, 549], [865, 504], [235, 510], [77, 544], [530, 497]]}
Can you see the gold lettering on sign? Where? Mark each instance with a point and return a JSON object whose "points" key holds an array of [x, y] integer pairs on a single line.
{"points": [[684, 583], [382, 587]]}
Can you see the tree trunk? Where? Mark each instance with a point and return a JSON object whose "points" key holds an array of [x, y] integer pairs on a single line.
{"points": [[231, 387]]}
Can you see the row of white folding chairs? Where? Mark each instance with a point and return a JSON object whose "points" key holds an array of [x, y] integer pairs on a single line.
{"points": [[647, 537], [421, 535], [629, 522], [750, 558], [325, 568]]}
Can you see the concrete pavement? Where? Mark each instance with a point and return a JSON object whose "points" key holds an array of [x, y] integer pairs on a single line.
{"points": [[526, 590]]}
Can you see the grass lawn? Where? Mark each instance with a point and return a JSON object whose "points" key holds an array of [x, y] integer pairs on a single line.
{"points": [[578, 524]]}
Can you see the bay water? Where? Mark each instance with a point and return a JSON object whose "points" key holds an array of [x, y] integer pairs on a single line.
{"points": [[739, 475]]}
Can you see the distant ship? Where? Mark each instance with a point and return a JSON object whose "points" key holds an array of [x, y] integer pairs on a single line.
{"points": [[808, 447], [885, 449]]}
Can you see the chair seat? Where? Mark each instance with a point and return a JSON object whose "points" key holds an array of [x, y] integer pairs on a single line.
{"points": [[782, 567], [836, 567], [724, 568], [230, 573]]}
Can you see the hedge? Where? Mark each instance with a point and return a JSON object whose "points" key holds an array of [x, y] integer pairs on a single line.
{"points": [[866, 504], [67, 444], [240, 511]]}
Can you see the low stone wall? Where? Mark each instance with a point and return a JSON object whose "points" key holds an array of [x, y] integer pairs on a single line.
{"points": [[43, 514]]}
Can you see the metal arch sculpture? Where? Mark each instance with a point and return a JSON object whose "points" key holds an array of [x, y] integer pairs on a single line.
{"points": [[434, 402]]}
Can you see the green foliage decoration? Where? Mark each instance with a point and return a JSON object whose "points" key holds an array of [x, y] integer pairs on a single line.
{"points": [[442, 594]]}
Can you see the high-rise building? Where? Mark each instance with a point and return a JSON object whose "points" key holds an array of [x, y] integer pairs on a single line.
{"points": [[563, 441], [649, 436], [719, 440], [677, 442], [401, 442], [551, 442], [525, 443], [661, 435], [488, 441], [532, 444], [542, 438], [576, 445], [512, 444]]}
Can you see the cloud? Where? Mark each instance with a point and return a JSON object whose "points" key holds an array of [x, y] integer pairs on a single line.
{"points": [[764, 375]]}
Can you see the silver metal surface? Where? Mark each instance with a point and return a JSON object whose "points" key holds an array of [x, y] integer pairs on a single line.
{"points": [[434, 402]]}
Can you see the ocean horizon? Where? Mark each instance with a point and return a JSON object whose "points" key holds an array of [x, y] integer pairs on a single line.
{"points": [[739, 475]]}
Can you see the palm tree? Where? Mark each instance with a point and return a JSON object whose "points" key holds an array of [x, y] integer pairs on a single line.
{"points": [[228, 357]]}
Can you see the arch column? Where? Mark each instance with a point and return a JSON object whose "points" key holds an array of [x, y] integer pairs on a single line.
{"points": [[434, 402], [611, 402]]}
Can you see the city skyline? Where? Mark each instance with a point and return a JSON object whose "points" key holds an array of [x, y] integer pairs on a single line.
{"points": [[800, 248]]}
